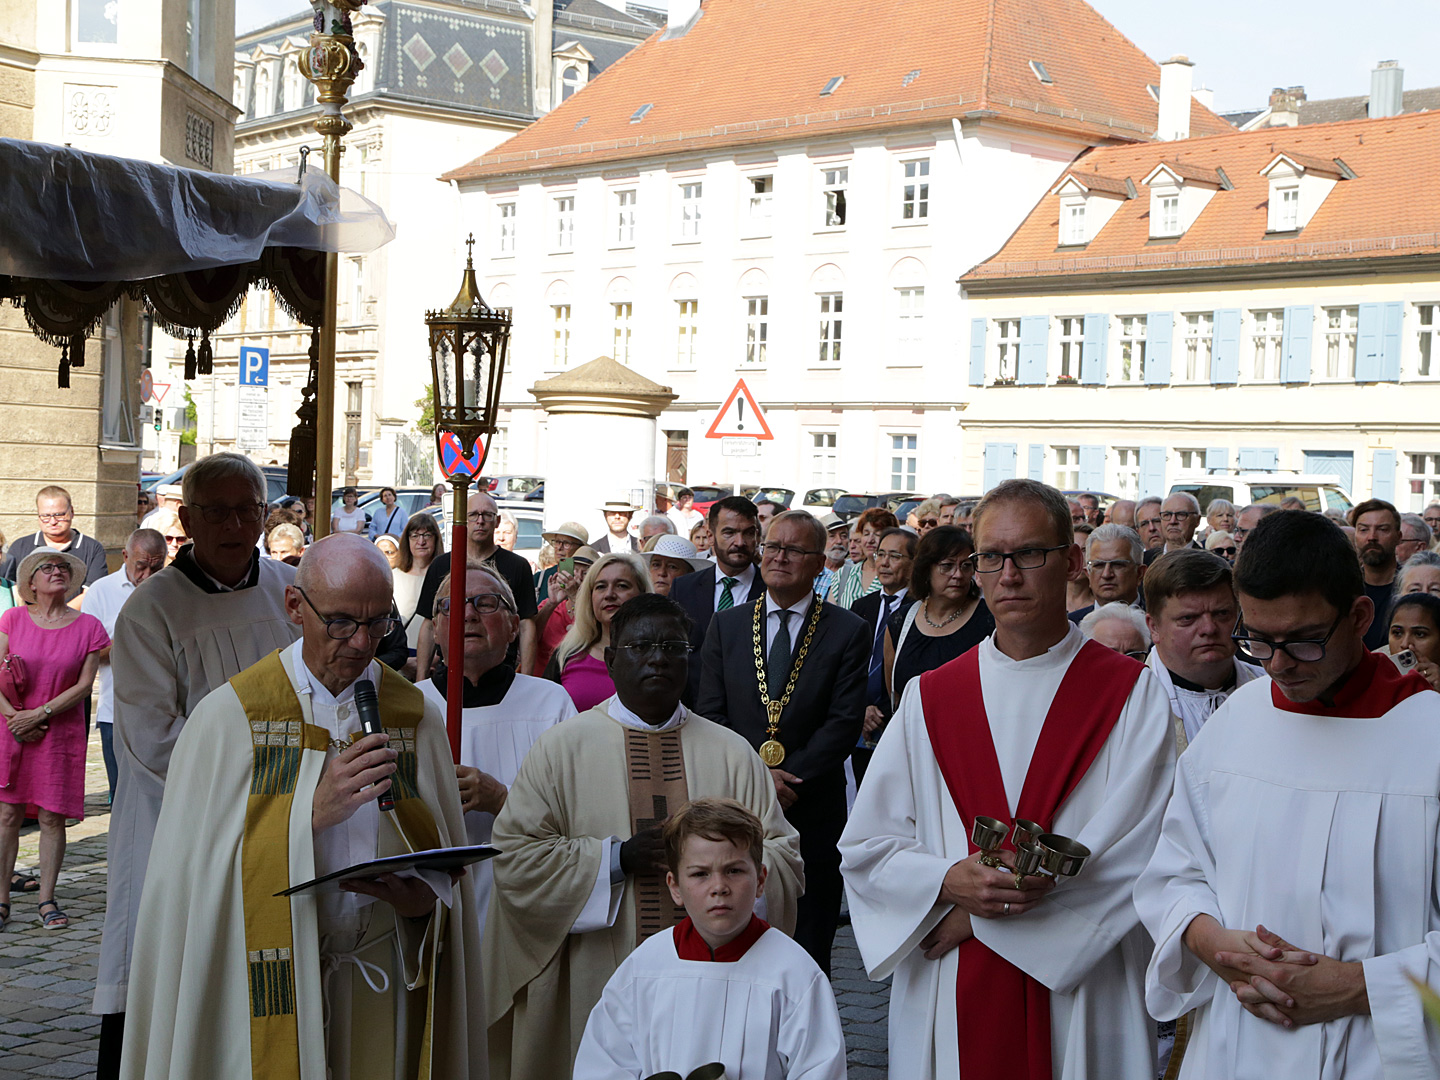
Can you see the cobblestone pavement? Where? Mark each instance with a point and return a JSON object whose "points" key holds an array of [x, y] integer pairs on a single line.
{"points": [[47, 977]]}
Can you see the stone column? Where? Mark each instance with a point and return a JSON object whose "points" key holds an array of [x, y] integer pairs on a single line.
{"points": [[601, 436]]}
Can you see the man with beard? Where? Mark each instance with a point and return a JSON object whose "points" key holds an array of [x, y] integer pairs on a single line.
{"points": [[1377, 534], [837, 550]]}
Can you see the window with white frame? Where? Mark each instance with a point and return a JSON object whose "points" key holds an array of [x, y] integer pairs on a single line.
{"points": [[560, 348], [832, 308], [1267, 332], [117, 412], [498, 454], [1289, 216], [357, 288], [1007, 349], [687, 333], [1427, 340], [1340, 329], [1424, 480], [625, 216], [1169, 223], [904, 458], [835, 184], [824, 458], [1065, 467], [762, 193], [620, 333], [96, 22], [915, 190], [757, 328], [689, 223], [909, 322], [1072, 347], [1192, 459], [505, 222], [1127, 472], [1199, 344], [1132, 349], [564, 223], [1075, 223]]}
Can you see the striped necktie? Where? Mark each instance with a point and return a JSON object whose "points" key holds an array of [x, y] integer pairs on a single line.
{"points": [[727, 598]]}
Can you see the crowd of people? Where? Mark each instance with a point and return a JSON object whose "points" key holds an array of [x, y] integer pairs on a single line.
{"points": [[695, 761]]}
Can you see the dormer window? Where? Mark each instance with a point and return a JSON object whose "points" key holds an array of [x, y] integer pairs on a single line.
{"points": [[1087, 202], [1178, 193], [1075, 223], [1289, 209], [1298, 185], [1169, 224]]}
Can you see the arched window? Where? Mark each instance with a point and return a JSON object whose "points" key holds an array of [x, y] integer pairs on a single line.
{"points": [[572, 80]]}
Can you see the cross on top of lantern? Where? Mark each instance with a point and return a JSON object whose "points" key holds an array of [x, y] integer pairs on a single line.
{"points": [[468, 343]]}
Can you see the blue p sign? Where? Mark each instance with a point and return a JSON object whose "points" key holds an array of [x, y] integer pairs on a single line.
{"points": [[254, 366]]}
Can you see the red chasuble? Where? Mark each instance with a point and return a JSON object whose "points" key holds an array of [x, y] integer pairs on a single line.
{"points": [[1003, 1014]]}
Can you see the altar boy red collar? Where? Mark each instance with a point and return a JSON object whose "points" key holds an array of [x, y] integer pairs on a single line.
{"points": [[689, 945], [1371, 690]]}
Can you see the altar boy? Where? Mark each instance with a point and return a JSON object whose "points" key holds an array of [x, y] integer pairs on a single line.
{"points": [[723, 986]]}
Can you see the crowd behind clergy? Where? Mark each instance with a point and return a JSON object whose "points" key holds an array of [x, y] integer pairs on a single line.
{"points": [[676, 734]]}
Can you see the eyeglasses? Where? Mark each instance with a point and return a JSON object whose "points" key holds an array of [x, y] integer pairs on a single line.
{"points": [[1138, 654], [484, 604], [1101, 565], [992, 562], [1239, 534], [176, 539], [782, 552], [343, 627], [481, 515], [246, 514], [673, 649], [53, 568], [950, 567], [57, 517], [929, 523], [891, 556], [1306, 652], [1231, 550], [1177, 515]]}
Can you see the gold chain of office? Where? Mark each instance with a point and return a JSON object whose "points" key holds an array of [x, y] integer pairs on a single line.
{"points": [[772, 752]]}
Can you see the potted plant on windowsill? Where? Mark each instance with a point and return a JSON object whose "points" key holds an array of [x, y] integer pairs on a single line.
{"points": [[1066, 380], [1004, 380]]}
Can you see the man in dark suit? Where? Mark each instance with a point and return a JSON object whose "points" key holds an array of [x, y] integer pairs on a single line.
{"points": [[732, 581], [617, 521], [893, 559], [824, 650]]}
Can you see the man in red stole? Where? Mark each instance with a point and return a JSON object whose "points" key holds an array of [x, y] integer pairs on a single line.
{"points": [[1044, 982]]}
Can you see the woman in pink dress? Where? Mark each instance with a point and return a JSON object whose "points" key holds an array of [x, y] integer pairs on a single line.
{"points": [[42, 744], [579, 661]]}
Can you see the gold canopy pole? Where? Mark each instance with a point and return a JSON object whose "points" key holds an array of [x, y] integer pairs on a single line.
{"points": [[331, 63]]}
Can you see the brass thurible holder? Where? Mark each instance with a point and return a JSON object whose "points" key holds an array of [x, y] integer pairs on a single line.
{"points": [[1037, 852]]}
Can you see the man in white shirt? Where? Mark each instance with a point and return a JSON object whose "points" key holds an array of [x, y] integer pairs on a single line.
{"points": [[143, 555], [617, 525]]}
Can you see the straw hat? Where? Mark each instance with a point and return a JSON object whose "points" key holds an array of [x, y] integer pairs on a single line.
{"points": [[833, 522], [586, 554], [31, 563], [569, 530], [617, 506], [676, 547]]}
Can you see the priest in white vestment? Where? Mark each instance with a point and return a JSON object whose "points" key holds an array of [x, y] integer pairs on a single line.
{"points": [[580, 880], [504, 713], [1306, 806], [272, 784], [1035, 723], [214, 611]]}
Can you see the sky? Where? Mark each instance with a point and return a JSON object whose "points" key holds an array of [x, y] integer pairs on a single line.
{"points": [[1241, 48]]}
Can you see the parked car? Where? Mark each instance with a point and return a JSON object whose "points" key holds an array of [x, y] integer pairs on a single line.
{"points": [[1318, 493], [781, 495], [819, 500], [529, 524], [852, 504], [409, 499], [513, 486], [276, 480], [706, 494]]}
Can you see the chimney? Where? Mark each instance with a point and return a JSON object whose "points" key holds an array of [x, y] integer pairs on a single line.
{"points": [[1205, 96], [1387, 89], [1176, 75], [1285, 106]]}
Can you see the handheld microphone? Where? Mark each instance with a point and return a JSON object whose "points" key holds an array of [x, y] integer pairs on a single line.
{"points": [[367, 704]]}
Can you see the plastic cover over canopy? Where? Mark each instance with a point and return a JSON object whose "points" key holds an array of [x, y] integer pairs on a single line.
{"points": [[79, 216]]}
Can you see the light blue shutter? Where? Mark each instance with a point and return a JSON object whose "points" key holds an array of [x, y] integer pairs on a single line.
{"points": [[1269, 459], [1037, 462], [1382, 475], [1092, 467], [1152, 471], [1225, 348], [999, 463], [1034, 339], [1259, 459], [1247, 459], [1092, 360], [1217, 459], [977, 352], [1295, 344], [1159, 332], [1337, 463], [1390, 342], [1369, 342]]}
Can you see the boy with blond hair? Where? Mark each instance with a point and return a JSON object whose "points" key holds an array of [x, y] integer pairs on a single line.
{"points": [[723, 987]]}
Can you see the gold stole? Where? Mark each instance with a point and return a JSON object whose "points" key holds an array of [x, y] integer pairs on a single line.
{"points": [[280, 737], [656, 772]]}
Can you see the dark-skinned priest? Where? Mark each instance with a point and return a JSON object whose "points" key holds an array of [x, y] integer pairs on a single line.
{"points": [[272, 783], [581, 878], [1027, 980]]}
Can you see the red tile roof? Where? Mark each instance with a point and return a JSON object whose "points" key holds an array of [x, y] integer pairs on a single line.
{"points": [[1093, 181], [751, 72], [1188, 171], [1390, 208], [1308, 162]]}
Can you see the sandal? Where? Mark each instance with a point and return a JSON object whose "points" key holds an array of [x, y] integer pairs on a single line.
{"points": [[4, 915], [24, 883], [53, 920]]}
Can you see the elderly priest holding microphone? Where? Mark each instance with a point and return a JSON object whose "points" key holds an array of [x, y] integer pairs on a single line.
{"points": [[273, 783]]}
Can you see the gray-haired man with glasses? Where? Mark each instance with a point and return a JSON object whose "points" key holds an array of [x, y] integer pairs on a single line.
{"points": [[1292, 895], [214, 611]]}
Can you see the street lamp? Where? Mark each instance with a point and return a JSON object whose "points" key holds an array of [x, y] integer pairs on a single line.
{"points": [[468, 342]]}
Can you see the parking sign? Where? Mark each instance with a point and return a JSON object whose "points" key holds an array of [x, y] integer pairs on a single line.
{"points": [[254, 366]]}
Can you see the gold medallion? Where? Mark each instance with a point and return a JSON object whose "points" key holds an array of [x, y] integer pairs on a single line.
{"points": [[772, 753]]}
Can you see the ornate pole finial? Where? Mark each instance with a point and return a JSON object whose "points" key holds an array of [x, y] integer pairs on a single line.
{"points": [[470, 251]]}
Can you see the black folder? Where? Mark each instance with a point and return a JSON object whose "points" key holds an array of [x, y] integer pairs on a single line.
{"points": [[451, 858]]}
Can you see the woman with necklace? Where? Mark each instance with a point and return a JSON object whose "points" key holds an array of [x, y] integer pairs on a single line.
{"points": [[42, 743], [949, 617]]}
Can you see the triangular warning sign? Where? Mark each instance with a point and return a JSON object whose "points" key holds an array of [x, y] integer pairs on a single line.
{"points": [[740, 417]]}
